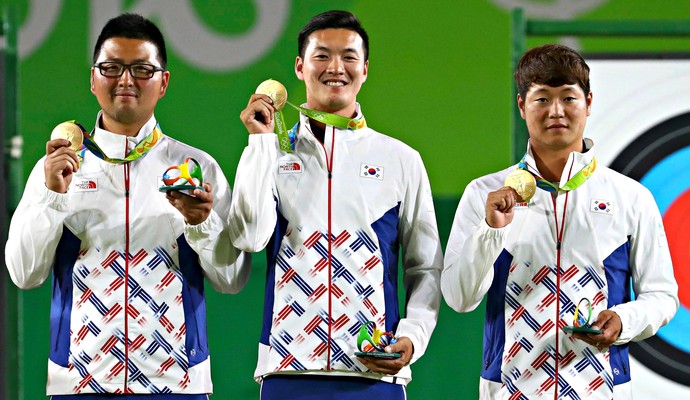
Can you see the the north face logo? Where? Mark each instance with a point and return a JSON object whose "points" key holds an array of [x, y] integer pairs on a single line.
{"points": [[86, 185], [290, 167]]}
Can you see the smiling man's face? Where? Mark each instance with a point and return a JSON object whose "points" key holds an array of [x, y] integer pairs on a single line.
{"points": [[127, 101], [333, 70]]}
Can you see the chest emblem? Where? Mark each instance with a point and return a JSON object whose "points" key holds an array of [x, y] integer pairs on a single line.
{"points": [[86, 185], [371, 171], [521, 206], [601, 206], [290, 167]]}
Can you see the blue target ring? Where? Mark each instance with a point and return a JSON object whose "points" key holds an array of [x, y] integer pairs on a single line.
{"points": [[659, 158], [667, 181]]}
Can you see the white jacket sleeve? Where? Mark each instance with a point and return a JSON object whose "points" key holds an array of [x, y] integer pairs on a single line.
{"points": [[422, 260], [226, 267], [35, 231], [656, 290], [472, 248], [253, 210]]}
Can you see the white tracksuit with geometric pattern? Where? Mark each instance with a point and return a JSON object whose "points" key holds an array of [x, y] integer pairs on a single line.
{"points": [[128, 311], [333, 217], [586, 243]]}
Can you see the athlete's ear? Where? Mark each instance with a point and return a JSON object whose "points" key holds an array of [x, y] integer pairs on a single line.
{"points": [[366, 70], [164, 84], [521, 105], [589, 103], [299, 64]]}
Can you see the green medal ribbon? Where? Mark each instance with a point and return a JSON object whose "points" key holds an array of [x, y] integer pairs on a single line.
{"points": [[573, 183], [287, 143], [282, 132], [332, 119], [142, 148]]}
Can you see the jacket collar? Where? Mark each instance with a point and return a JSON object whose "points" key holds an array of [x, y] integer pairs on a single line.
{"points": [[576, 160], [116, 145]]}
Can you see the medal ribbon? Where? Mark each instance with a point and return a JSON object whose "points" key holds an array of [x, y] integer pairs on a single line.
{"points": [[142, 148], [284, 139], [573, 183]]}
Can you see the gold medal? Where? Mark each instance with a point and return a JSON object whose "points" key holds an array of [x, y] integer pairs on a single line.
{"points": [[523, 182], [275, 90], [70, 131]]}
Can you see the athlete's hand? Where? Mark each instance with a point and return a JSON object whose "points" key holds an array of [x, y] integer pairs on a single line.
{"points": [[391, 366], [258, 116], [610, 325], [195, 209], [500, 206], [60, 163]]}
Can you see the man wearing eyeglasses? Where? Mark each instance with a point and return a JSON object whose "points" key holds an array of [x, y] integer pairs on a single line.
{"points": [[556, 243], [128, 263]]}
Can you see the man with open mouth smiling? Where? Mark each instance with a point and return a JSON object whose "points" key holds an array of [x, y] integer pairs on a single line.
{"points": [[334, 66], [333, 210]]}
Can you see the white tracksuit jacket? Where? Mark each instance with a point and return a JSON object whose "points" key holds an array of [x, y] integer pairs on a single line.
{"points": [[612, 232], [128, 310], [370, 195]]}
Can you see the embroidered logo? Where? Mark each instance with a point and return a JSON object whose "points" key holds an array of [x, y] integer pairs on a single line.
{"points": [[290, 167], [521, 206], [86, 185], [371, 171], [601, 206]]}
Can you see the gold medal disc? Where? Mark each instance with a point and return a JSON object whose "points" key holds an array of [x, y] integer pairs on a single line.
{"points": [[70, 131], [523, 182], [275, 90]]}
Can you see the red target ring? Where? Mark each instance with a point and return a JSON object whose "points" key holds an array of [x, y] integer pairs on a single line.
{"points": [[677, 226]]}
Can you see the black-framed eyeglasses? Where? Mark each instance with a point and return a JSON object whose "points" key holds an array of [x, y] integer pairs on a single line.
{"points": [[113, 69]]}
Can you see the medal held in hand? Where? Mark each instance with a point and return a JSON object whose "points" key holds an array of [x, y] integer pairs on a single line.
{"points": [[373, 344], [275, 90], [278, 94], [186, 176], [523, 182], [71, 131]]}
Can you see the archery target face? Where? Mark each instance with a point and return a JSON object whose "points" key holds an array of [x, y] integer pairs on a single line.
{"points": [[640, 124]]}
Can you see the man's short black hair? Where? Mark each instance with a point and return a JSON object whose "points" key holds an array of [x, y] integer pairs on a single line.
{"points": [[553, 65], [132, 26], [334, 19]]}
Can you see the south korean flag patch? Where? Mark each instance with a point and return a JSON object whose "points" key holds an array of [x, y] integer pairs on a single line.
{"points": [[371, 171], [601, 206]]}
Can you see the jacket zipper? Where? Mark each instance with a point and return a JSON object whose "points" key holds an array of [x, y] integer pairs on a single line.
{"points": [[559, 241], [558, 288], [329, 167], [126, 166]]}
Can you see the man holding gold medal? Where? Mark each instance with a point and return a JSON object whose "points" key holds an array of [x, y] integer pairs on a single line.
{"points": [[554, 242], [128, 262], [333, 201]]}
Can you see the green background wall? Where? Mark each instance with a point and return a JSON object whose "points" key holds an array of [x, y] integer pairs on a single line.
{"points": [[439, 79]]}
